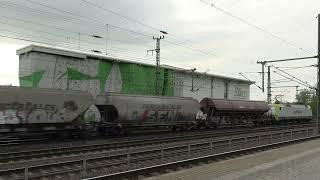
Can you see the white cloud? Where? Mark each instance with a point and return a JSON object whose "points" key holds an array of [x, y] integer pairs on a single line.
{"points": [[9, 63]]}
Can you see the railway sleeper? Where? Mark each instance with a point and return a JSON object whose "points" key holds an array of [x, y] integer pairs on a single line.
{"points": [[54, 173], [104, 165]]}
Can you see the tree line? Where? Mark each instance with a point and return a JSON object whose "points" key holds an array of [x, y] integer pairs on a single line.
{"points": [[307, 97]]}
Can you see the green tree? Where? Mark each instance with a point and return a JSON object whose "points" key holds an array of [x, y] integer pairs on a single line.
{"points": [[307, 97]]}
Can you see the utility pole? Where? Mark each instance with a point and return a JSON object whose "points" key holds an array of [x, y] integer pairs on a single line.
{"points": [[107, 34], [157, 90], [318, 75], [192, 79], [269, 87], [263, 63], [78, 41]]}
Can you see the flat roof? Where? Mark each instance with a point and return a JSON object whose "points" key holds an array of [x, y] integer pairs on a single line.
{"points": [[81, 55]]}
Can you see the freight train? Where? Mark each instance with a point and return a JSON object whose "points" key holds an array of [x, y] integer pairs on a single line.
{"points": [[32, 109]]}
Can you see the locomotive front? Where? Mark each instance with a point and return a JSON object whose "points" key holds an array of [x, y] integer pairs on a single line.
{"points": [[289, 113]]}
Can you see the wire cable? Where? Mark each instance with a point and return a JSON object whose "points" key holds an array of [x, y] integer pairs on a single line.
{"points": [[255, 26], [123, 16], [100, 22], [295, 80], [141, 23], [291, 75], [298, 67]]}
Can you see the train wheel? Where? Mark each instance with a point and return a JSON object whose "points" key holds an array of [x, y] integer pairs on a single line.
{"points": [[126, 132], [183, 127], [83, 134], [66, 134], [174, 128], [116, 131], [102, 131], [215, 125]]}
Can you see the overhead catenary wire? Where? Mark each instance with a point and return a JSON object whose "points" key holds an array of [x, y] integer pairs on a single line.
{"points": [[283, 81], [187, 47], [40, 31], [45, 25], [55, 27], [292, 79], [70, 46], [143, 24], [51, 14], [62, 36], [255, 26], [297, 67], [99, 22], [48, 26], [250, 80], [253, 72], [121, 15], [48, 41], [55, 34], [292, 76], [102, 23], [99, 25]]}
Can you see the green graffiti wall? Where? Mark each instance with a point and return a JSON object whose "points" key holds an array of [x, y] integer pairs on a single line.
{"points": [[73, 74], [104, 69], [127, 77], [31, 80], [140, 79], [168, 83]]}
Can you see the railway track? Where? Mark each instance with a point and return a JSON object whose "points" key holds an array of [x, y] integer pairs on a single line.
{"points": [[41, 153], [149, 171], [111, 162], [39, 141], [10, 141]]}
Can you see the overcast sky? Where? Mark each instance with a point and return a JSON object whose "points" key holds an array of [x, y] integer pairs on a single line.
{"points": [[200, 36]]}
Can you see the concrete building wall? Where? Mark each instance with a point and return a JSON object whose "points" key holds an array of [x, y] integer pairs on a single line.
{"points": [[202, 86], [238, 90], [218, 88], [53, 68], [206, 86]]}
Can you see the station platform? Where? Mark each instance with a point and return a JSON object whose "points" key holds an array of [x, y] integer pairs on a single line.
{"points": [[294, 162]]}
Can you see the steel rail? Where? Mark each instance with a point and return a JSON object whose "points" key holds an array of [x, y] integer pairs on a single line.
{"points": [[183, 163], [63, 151], [130, 160]]}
